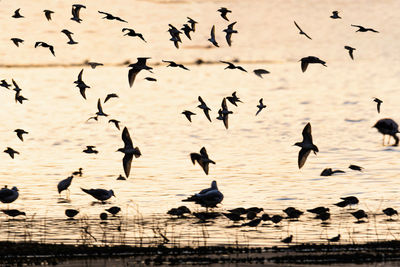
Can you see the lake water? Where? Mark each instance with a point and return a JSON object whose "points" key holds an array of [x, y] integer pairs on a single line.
{"points": [[256, 162]]}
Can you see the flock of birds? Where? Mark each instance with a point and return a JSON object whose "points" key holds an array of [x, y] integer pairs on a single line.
{"points": [[209, 197]]}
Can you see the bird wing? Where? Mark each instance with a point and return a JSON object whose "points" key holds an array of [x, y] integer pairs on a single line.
{"points": [[228, 38], [307, 137], [201, 100], [99, 106], [132, 75], [304, 64], [195, 157], [378, 107], [307, 35], [298, 27], [303, 154], [207, 114], [351, 53], [225, 120], [213, 32], [127, 138], [203, 152], [223, 104], [105, 13], [127, 161]]}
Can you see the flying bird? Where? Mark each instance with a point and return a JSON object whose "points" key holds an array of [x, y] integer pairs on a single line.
{"points": [[310, 60], [232, 66], [3, 83], [48, 13], [109, 96], [90, 150], [350, 49], [388, 127], [132, 33], [69, 35], [99, 194], [100, 109], [192, 23], [306, 146], [136, 68], [212, 38], [11, 152], [75, 12], [111, 17], [335, 15], [129, 151], [363, 29], [150, 79], [173, 64], [45, 45], [260, 106], [378, 104], [188, 114], [224, 113], [224, 11], [93, 65], [260, 72], [81, 84], [202, 159], [116, 123], [174, 32], [186, 29], [204, 107], [17, 41], [20, 132], [234, 99], [301, 31], [17, 15], [229, 31]]}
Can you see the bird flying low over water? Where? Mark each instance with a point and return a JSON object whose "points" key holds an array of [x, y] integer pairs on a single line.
{"points": [[209, 197], [363, 29], [212, 37], [8, 195], [136, 68], [111, 17], [173, 64], [350, 49], [132, 33], [192, 23], [100, 109], [150, 79], [81, 84], [232, 66], [260, 106], [20, 132], [11, 152], [129, 151], [93, 65], [388, 127], [224, 11], [335, 15], [229, 31], [306, 146], [45, 45], [260, 72], [378, 104], [109, 96], [3, 83], [116, 123], [187, 29], [202, 159], [356, 168], [224, 113], [301, 31], [75, 12], [90, 150], [204, 107], [17, 41], [99, 194], [188, 114], [69, 36], [234, 99], [310, 60], [48, 13], [17, 15]]}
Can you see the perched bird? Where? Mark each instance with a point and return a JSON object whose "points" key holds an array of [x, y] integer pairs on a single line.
{"points": [[232, 66], [318, 210], [287, 240], [111, 17], [390, 212], [93, 65], [17, 15], [129, 151], [378, 104], [363, 29], [45, 45], [388, 127], [234, 99], [114, 210], [78, 172], [188, 114], [329, 172], [202, 159], [224, 112], [11, 152], [260, 106], [90, 150], [212, 38], [334, 239], [100, 109], [306, 146], [209, 197], [69, 35], [3, 83], [310, 60], [301, 31], [260, 72], [109, 96], [136, 68], [71, 213], [17, 41], [13, 212], [99, 194], [187, 29], [204, 107], [356, 168], [224, 11], [81, 84], [150, 79], [20, 132], [116, 123], [8, 195], [75, 12], [48, 13], [132, 33], [350, 49], [359, 214], [192, 23], [173, 64], [335, 15], [229, 31]]}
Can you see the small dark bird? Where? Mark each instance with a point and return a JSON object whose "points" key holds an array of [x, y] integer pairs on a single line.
{"points": [[173, 64], [71, 213], [276, 219], [3, 83], [239, 211], [287, 240], [362, 29], [120, 177], [186, 29], [69, 35], [378, 104], [301, 31], [342, 204], [359, 214], [90, 150], [350, 49], [260, 106], [334, 239], [335, 15], [100, 109], [293, 213], [11, 152], [229, 31], [329, 172], [116, 123], [253, 223], [323, 216], [204, 107], [233, 217], [251, 215], [356, 168], [388, 127], [352, 200], [224, 112], [45, 45], [129, 151], [390, 212], [81, 84], [136, 68], [150, 79], [99, 194], [234, 99], [232, 66], [260, 72], [180, 211], [174, 32], [310, 60], [111, 17], [17, 15], [254, 209], [202, 159], [78, 172], [93, 65], [132, 33], [176, 41], [114, 210], [109, 96], [13, 212], [209, 198], [75, 12], [188, 113], [17, 41], [48, 13], [192, 23], [212, 38], [16, 87], [103, 216], [19, 98], [319, 210], [224, 11], [306, 146], [265, 217], [20, 132]]}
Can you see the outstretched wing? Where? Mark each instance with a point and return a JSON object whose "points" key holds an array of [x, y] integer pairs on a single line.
{"points": [[303, 154], [127, 138]]}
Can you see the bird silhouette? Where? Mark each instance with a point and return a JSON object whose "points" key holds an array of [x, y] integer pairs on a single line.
{"points": [[350, 49], [204, 107], [232, 66], [260, 106], [202, 159], [310, 60], [93, 65], [234, 99], [111, 17], [90, 150], [17, 14], [81, 84], [45, 45], [306, 146], [378, 104], [11, 152], [260, 72], [188, 114], [388, 127], [109, 96], [136, 68], [76, 9], [100, 109], [224, 11], [69, 35], [129, 150], [192, 23], [209, 197], [116, 123], [20, 132], [229, 31], [212, 37], [335, 15], [48, 13], [363, 29], [173, 64], [17, 41], [132, 33], [99, 194], [301, 31]]}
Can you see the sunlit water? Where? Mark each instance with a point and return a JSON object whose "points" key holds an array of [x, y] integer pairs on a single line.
{"points": [[256, 162]]}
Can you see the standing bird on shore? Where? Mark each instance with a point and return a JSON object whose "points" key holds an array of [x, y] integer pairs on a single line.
{"points": [[363, 29], [132, 33], [224, 11], [75, 12], [129, 151], [48, 13], [209, 197], [306, 146], [335, 15], [111, 17], [229, 31], [378, 104], [212, 37], [202, 159], [260, 106], [64, 184], [136, 68], [99, 194], [17, 15], [310, 60], [350, 49], [388, 127], [69, 36], [13, 212], [301, 31]]}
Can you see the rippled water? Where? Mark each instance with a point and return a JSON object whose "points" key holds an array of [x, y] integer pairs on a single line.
{"points": [[256, 164]]}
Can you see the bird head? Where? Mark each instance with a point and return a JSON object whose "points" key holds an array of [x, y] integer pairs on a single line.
{"points": [[112, 193]]}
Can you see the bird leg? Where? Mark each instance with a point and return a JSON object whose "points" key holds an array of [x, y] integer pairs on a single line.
{"points": [[388, 140], [383, 140]]}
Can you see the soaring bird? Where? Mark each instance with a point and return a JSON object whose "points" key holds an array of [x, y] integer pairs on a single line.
{"points": [[260, 72], [132, 33], [48, 13], [378, 104], [202, 159], [350, 49], [204, 107], [335, 15], [111, 17], [136, 68], [17, 41], [100, 109], [209, 197], [129, 151], [229, 31], [11, 152], [90, 150], [388, 127], [188, 114], [192, 23], [310, 60], [173, 64], [306, 145], [69, 36], [363, 29], [212, 37], [99, 194], [45, 45], [224, 11], [224, 113], [8, 195], [232, 66], [301, 31], [64, 184], [20, 132], [17, 15], [81, 84], [234, 99], [260, 106], [109, 96], [116, 123], [75, 12]]}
